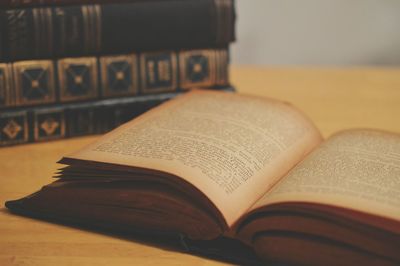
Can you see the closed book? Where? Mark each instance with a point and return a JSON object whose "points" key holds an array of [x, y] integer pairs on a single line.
{"points": [[46, 82], [66, 120], [83, 30]]}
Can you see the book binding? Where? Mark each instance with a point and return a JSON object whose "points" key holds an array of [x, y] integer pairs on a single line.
{"points": [[43, 123], [44, 82], [82, 30]]}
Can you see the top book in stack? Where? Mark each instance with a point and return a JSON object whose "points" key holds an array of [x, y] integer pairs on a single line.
{"points": [[35, 30]]}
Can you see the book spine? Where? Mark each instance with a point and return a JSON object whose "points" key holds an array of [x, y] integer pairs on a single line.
{"points": [[36, 124], [71, 119], [45, 82], [82, 30]]}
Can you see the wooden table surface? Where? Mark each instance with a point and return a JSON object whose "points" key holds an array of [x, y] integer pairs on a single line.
{"points": [[334, 99]]}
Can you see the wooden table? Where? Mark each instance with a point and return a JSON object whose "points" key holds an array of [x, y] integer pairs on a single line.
{"points": [[334, 99]]}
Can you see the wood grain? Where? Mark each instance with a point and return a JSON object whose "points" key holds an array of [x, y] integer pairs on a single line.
{"points": [[334, 99]]}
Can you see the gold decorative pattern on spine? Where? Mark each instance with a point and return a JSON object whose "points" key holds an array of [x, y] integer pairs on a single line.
{"points": [[7, 94], [13, 124], [158, 71], [77, 87], [155, 71], [197, 68], [51, 122], [106, 66], [12, 129], [40, 74]]}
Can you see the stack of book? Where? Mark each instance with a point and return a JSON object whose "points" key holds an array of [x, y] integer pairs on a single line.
{"points": [[68, 69]]}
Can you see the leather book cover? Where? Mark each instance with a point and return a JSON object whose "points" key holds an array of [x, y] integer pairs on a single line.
{"points": [[45, 82], [88, 30], [65, 120]]}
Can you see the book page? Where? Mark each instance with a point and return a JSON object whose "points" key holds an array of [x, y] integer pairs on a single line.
{"points": [[233, 148], [356, 169]]}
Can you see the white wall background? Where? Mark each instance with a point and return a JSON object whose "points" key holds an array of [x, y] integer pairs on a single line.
{"points": [[317, 32]]}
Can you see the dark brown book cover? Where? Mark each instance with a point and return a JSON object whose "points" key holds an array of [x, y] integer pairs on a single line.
{"points": [[81, 30]]}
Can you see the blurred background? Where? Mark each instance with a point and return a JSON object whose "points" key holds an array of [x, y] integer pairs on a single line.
{"points": [[318, 32]]}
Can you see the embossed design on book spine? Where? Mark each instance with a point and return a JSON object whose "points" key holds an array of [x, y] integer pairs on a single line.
{"points": [[49, 124], [13, 128], [34, 82], [70, 119], [119, 75], [78, 78], [158, 72], [197, 68]]}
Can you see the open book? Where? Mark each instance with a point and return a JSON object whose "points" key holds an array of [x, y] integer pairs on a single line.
{"points": [[212, 164]]}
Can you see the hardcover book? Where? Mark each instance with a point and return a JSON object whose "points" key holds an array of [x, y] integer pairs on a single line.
{"points": [[37, 124], [66, 120], [114, 28], [44, 82], [237, 171]]}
